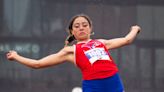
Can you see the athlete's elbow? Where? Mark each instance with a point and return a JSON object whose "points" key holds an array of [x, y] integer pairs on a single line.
{"points": [[128, 41], [36, 65]]}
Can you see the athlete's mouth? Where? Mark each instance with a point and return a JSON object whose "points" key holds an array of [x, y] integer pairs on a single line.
{"points": [[82, 33]]}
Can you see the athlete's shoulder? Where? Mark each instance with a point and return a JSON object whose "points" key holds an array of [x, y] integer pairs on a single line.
{"points": [[68, 49], [101, 40]]}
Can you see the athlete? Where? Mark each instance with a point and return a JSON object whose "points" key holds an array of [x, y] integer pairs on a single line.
{"points": [[100, 73]]}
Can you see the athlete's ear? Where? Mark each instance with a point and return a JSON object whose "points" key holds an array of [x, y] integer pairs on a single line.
{"points": [[92, 33]]}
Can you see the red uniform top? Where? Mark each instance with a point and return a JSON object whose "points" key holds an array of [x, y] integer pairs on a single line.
{"points": [[94, 60]]}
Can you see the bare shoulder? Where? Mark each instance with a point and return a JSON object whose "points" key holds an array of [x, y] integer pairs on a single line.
{"points": [[68, 49], [107, 43], [104, 41], [68, 53]]}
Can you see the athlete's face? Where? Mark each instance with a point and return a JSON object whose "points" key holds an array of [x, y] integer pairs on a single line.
{"points": [[81, 29]]}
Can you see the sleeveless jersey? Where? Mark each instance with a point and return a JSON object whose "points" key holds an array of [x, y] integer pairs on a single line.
{"points": [[94, 60]]}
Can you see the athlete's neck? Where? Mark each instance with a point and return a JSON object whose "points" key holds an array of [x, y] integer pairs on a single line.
{"points": [[84, 41]]}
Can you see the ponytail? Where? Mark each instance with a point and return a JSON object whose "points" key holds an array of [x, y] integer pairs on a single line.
{"points": [[69, 40]]}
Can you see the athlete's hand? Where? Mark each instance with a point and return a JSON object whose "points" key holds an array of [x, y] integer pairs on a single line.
{"points": [[66, 43], [11, 55], [136, 28]]}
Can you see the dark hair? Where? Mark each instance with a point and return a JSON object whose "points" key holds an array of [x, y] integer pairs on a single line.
{"points": [[71, 37]]}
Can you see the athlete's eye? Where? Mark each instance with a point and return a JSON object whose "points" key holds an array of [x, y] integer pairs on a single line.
{"points": [[85, 24], [76, 26]]}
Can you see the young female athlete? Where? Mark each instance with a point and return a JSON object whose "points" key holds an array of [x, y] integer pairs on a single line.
{"points": [[100, 74]]}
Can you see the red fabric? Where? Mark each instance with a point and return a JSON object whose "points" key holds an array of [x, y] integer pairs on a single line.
{"points": [[102, 67]]}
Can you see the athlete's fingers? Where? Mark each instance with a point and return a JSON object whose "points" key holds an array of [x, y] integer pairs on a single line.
{"points": [[66, 43]]}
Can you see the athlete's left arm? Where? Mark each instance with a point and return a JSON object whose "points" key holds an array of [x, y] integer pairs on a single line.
{"points": [[119, 42]]}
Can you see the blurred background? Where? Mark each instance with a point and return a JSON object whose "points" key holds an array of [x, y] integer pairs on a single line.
{"points": [[37, 28]]}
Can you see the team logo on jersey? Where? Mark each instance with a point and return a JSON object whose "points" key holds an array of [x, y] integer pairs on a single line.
{"points": [[91, 45]]}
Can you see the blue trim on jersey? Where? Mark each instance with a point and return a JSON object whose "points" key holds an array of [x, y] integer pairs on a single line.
{"points": [[110, 84]]}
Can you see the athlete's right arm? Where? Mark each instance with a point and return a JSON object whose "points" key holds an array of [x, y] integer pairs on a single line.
{"points": [[66, 54]]}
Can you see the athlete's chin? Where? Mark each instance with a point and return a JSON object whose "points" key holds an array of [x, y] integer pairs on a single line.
{"points": [[83, 37]]}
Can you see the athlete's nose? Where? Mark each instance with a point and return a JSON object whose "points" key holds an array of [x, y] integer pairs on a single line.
{"points": [[81, 28]]}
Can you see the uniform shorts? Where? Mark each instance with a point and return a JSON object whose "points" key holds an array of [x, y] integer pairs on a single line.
{"points": [[110, 84]]}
